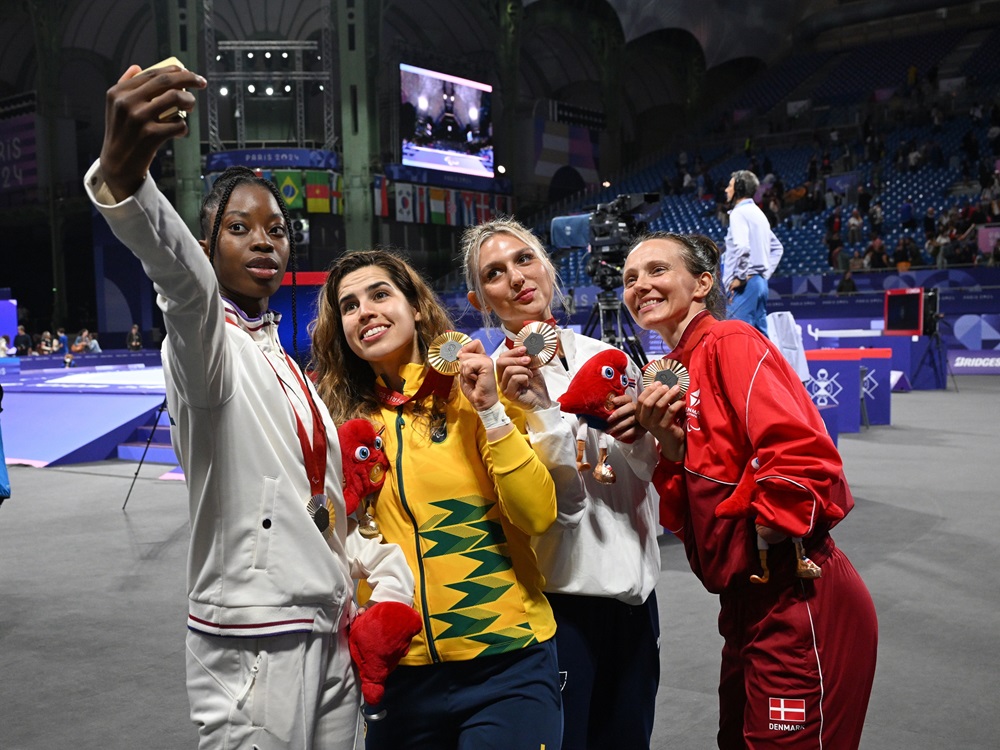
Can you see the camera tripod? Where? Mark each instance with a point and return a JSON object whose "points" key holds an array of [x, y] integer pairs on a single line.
{"points": [[152, 431], [934, 355], [616, 327]]}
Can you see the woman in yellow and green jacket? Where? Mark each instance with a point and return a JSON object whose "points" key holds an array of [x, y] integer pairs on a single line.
{"points": [[465, 492]]}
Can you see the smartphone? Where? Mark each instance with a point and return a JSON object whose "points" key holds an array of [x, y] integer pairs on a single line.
{"points": [[163, 64]]}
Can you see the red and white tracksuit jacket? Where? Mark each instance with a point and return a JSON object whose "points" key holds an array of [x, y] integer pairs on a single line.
{"points": [[806, 644]]}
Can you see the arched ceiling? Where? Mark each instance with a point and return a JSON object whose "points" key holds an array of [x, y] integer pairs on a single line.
{"points": [[724, 28], [121, 30], [273, 19], [660, 44]]}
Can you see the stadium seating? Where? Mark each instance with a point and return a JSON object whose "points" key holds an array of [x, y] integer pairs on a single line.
{"points": [[847, 78]]}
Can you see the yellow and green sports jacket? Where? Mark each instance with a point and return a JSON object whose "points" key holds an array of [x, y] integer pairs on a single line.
{"points": [[462, 509]]}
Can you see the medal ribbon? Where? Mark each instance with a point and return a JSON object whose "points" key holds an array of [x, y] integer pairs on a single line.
{"points": [[314, 453], [434, 382], [696, 329]]}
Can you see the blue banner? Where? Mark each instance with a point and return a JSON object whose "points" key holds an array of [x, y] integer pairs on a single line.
{"points": [[272, 158]]}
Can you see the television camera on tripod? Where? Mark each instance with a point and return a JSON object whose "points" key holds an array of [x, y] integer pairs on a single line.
{"points": [[611, 229]]}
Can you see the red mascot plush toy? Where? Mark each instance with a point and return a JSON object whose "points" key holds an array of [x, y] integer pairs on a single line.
{"points": [[380, 635], [365, 465], [591, 396]]}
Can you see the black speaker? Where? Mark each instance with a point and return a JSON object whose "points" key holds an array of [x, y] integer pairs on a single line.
{"points": [[300, 232], [932, 312]]}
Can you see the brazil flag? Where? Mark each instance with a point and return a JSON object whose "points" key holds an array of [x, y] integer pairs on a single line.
{"points": [[290, 186]]}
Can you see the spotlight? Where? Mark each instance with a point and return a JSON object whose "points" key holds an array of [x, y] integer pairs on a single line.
{"points": [[501, 169], [269, 90], [250, 55], [288, 87], [284, 55], [606, 184], [267, 55], [473, 113], [223, 91], [321, 87], [251, 88]]}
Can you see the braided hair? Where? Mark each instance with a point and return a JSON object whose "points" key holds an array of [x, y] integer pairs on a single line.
{"points": [[217, 200]]}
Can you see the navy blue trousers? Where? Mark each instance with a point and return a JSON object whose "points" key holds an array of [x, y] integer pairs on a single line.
{"points": [[505, 702], [609, 661]]}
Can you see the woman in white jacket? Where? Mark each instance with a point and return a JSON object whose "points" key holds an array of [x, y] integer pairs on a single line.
{"points": [[272, 552], [600, 559]]}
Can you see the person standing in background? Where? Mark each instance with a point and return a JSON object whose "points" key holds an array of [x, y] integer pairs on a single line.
{"points": [[752, 253], [133, 339], [22, 342], [86, 342]]}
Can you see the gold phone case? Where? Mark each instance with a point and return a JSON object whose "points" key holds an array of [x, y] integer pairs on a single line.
{"points": [[163, 64]]}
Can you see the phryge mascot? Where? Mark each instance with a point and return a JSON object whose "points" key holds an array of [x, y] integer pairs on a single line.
{"points": [[590, 396], [381, 633]]}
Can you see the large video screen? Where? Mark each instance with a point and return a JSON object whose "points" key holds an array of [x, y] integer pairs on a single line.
{"points": [[445, 122]]}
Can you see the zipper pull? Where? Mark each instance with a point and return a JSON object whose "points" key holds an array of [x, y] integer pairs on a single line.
{"points": [[253, 677]]}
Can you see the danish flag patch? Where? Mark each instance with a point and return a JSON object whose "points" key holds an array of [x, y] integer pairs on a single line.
{"points": [[787, 710]]}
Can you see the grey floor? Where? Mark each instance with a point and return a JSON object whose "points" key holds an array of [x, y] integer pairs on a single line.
{"points": [[92, 599]]}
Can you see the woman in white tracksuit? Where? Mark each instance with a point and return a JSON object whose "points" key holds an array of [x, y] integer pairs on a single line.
{"points": [[601, 559], [272, 552]]}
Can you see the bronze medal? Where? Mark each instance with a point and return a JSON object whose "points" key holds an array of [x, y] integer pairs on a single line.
{"points": [[324, 515], [442, 354], [541, 340], [605, 474], [670, 372]]}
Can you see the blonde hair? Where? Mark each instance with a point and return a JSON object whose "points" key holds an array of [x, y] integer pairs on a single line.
{"points": [[345, 381], [472, 243]]}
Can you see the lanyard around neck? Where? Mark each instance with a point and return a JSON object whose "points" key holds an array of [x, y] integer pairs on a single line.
{"points": [[314, 451], [434, 382]]}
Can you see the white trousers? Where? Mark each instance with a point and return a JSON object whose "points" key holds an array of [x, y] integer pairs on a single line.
{"points": [[289, 692]]}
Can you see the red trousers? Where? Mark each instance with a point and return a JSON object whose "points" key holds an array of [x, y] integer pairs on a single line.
{"points": [[799, 657]]}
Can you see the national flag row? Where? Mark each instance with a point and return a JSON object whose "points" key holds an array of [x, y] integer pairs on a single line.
{"points": [[322, 192], [316, 191], [422, 204]]}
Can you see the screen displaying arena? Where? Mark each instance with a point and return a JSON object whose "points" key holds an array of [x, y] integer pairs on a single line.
{"points": [[445, 122]]}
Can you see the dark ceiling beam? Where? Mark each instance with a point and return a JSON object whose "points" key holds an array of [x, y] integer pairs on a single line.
{"points": [[864, 12]]}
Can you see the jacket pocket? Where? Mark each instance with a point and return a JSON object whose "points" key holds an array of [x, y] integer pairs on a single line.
{"points": [[265, 520]]}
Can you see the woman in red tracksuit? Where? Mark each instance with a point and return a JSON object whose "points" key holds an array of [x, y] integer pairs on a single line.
{"points": [[799, 655]]}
